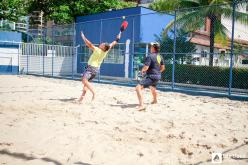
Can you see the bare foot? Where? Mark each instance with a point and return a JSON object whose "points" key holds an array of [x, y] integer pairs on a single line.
{"points": [[154, 102], [141, 108], [93, 97], [80, 100]]}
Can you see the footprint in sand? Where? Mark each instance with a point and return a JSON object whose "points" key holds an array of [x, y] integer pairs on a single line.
{"points": [[181, 135], [117, 129], [140, 154], [204, 146], [221, 145], [234, 140], [170, 136], [118, 139], [246, 141], [6, 144], [186, 151], [91, 121], [92, 154]]}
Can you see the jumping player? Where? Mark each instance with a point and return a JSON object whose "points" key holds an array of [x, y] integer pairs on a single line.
{"points": [[154, 66], [94, 63]]}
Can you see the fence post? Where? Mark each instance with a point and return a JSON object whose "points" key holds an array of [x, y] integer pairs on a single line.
{"points": [[18, 71], [52, 48], [99, 72], [232, 46], [74, 51], [27, 53], [132, 56], [43, 52], [174, 52]]}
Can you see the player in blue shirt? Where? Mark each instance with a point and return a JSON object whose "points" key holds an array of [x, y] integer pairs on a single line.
{"points": [[154, 66]]}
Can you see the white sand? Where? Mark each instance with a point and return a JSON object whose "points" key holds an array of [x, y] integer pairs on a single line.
{"points": [[41, 124]]}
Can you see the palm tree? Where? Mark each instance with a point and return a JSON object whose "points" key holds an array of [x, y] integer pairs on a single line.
{"points": [[183, 45], [194, 18]]}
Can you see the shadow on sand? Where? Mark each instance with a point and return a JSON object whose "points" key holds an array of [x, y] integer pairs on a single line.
{"points": [[72, 99], [124, 106], [30, 157]]}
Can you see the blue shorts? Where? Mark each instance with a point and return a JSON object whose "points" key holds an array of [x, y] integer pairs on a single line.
{"points": [[149, 81], [90, 72]]}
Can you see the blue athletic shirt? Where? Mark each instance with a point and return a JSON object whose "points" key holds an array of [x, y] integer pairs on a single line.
{"points": [[154, 61]]}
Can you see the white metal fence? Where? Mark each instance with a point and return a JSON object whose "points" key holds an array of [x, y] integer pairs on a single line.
{"points": [[52, 60]]}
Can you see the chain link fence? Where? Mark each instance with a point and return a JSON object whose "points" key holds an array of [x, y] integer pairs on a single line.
{"points": [[209, 44], [204, 48]]}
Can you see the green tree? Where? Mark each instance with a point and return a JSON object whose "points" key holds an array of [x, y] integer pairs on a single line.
{"points": [[63, 11], [12, 9], [184, 46], [194, 19]]}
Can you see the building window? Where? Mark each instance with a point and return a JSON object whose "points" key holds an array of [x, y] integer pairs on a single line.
{"points": [[204, 53]]}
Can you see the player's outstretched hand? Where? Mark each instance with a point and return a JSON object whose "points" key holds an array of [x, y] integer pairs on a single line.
{"points": [[118, 36], [82, 34]]}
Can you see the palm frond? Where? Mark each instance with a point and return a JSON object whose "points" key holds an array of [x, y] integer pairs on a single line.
{"points": [[221, 34], [190, 21], [241, 17], [169, 26], [215, 2], [226, 12]]}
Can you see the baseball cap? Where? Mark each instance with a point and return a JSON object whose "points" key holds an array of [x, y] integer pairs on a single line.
{"points": [[155, 44]]}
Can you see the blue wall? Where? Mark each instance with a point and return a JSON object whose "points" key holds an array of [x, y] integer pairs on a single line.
{"points": [[152, 24], [8, 69], [143, 24], [111, 21], [10, 36], [6, 39]]}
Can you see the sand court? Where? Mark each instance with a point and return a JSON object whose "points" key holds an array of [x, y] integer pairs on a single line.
{"points": [[42, 124]]}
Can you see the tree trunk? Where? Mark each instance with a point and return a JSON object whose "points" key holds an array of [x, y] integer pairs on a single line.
{"points": [[212, 35]]}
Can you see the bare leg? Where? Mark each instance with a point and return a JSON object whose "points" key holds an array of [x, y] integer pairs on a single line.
{"points": [[140, 96], [88, 85], [83, 94], [154, 94]]}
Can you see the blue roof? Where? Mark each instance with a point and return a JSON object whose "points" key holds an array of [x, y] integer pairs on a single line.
{"points": [[6, 36]]}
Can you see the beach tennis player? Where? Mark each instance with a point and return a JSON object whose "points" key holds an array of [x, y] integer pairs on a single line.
{"points": [[94, 63], [152, 69]]}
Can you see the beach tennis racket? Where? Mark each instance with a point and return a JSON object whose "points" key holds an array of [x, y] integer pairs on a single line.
{"points": [[140, 76], [123, 26]]}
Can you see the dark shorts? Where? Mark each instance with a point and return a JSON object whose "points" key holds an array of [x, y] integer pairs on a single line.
{"points": [[150, 81], [90, 73]]}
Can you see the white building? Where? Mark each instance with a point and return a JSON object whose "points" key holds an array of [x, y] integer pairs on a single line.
{"points": [[222, 53]]}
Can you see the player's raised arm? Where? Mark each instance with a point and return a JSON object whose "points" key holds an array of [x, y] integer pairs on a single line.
{"points": [[118, 37], [87, 42]]}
